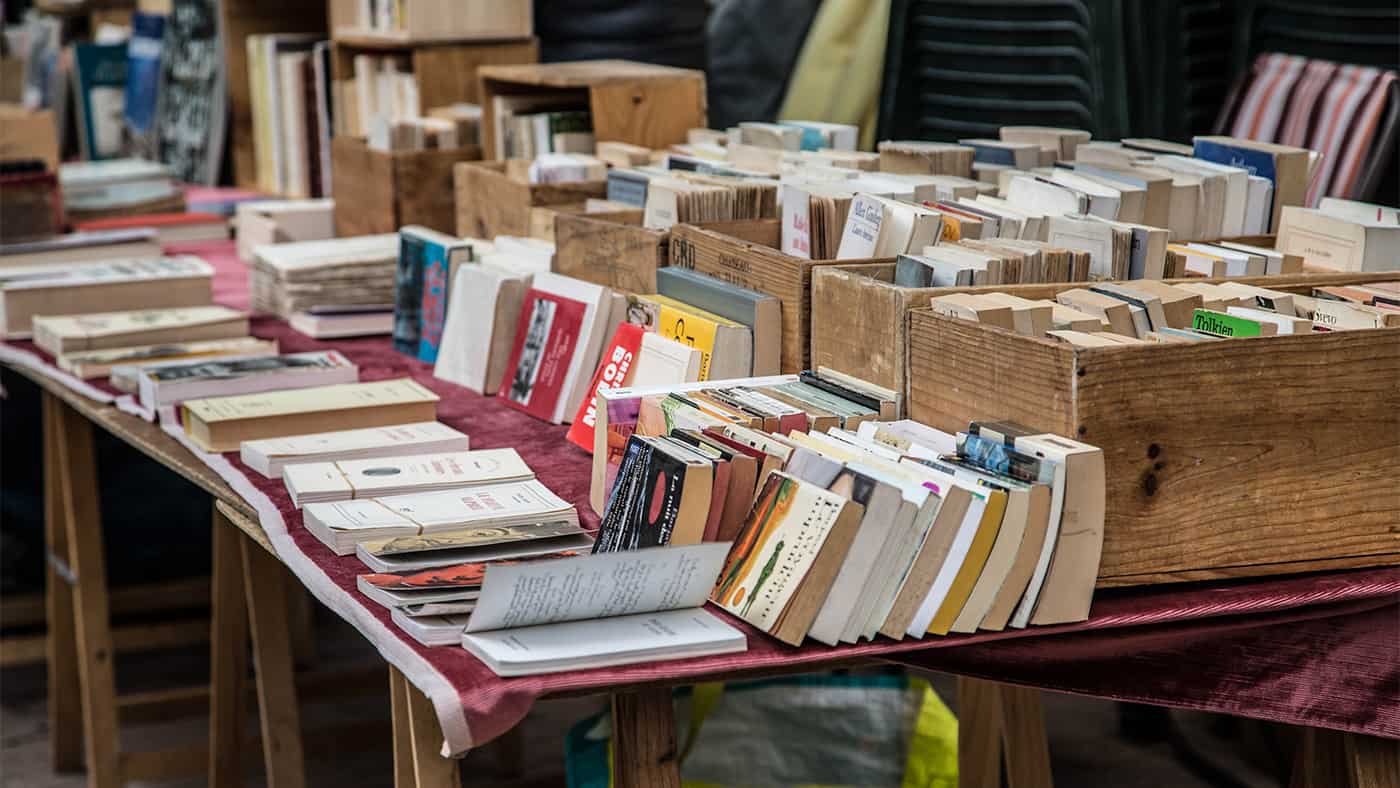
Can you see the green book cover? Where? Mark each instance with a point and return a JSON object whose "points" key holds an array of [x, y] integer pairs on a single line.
{"points": [[1223, 325]]}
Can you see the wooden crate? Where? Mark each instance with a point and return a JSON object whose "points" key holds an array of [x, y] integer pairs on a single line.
{"points": [[446, 72], [438, 20], [379, 191], [756, 263], [640, 103], [624, 255], [545, 218], [1234, 458], [495, 197]]}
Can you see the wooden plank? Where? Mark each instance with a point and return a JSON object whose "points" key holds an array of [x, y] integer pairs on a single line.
{"points": [[430, 769], [1251, 570], [653, 113], [82, 520], [64, 696], [355, 171], [1025, 749], [644, 740], [447, 74], [422, 185], [979, 733], [403, 731], [172, 764], [21, 610], [228, 657], [1372, 762], [264, 580], [491, 201], [858, 322], [621, 256]]}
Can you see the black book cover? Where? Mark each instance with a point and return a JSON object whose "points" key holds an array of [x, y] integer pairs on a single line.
{"points": [[408, 294]]}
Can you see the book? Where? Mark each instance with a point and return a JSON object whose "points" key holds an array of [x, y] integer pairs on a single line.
{"points": [[1339, 239], [220, 424], [300, 276], [431, 630], [99, 88], [170, 228], [410, 553], [780, 568], [142, 74], [661, 496], [1284, 324], [614, 371], [82, 246], [261, 222], [169, 384], [1227, 325], [436, 257], [844, 612], [116, 285], [269, 456], [343, 322], [479, 332], [1285, 167], [880, 227], [88, 364], [726, 346], [64, 334], [338, 480], [1115, 312], [599, 610], [558, 338], [760, 312], [662, 361]]}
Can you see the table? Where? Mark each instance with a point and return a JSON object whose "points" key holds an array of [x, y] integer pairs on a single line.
{"points": [[998, 720]]}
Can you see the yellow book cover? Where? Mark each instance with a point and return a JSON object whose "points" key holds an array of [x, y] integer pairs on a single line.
{"points": [[690, 326], [952, 228], [971, 569]]}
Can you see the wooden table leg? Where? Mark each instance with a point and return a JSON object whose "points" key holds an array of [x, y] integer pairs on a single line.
{"points": [[264, 579], [430, 769], [403, 731], [1332, 759], [65, 702], [228, 656], [1001, 724], [644, 740], [86, 564]]}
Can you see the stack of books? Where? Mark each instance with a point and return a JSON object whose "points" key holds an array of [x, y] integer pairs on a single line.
{"points": [[117, 187], [343, 480], [31, 291], [1342, 235], [271, 455], [289, 79], [81, 247], [340, 276]]}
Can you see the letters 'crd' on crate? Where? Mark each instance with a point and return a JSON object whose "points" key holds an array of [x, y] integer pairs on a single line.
{"points": [[1231, 458], [759, 265], [640, 103], [496, 197], [382, 191], [624, 255]]}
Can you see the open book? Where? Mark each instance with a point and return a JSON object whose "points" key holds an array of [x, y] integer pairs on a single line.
{"points": [[599, 610]]}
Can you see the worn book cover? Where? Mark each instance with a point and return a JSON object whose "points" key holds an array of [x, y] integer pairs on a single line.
{"points": [[614, 371], [645, 501], [546, 336], [466, 538]]}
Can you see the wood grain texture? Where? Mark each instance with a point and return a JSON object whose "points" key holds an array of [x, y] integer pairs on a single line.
{"points": [[491, 202], [639, 103], [447, 74], [1225, 458], [544, 218], [64, 695], [228, 657], [240, 19], [430, 769], [621, 256], [644, 740], [403, 730], [384, 191], [757, 267], [1025, 749], [979, 733], [264, 581], [83, 523]]}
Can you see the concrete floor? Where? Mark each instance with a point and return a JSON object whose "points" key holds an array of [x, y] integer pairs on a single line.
{"points": [[1085, 744]]}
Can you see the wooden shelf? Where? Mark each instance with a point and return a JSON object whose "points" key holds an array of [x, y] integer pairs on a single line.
{"points": [[446, 73], [639, 103], [369, 39]]}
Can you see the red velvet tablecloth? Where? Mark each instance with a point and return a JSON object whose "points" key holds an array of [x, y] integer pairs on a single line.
{"points": [[1319, 650]]}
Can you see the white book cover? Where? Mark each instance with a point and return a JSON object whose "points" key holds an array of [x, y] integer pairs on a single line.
{"points": [[269, 455], [665, 361], [368, 478], [431, 630], [1040, 198], [1258, 205], [136, 269], [861, 234], [480, 312], [443, 510]]}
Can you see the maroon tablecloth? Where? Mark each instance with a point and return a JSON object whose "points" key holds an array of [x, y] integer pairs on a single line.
{"points": [[1317, 650]]}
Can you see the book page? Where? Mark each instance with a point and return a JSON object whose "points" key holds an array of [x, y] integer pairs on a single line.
{"points": [[597, 586]]}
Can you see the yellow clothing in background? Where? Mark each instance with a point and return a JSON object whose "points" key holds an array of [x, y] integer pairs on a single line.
{"points": [[838, 74]]}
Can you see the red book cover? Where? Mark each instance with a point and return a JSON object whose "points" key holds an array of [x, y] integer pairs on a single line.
{"points": [[614, 371], [151, 220], [545, 338]]}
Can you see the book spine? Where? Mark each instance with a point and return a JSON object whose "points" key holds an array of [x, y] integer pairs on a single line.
{"points": [[408, 294], [432, 313]]}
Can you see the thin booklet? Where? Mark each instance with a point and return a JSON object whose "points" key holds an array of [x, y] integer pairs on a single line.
{"points": [[598, 610]]}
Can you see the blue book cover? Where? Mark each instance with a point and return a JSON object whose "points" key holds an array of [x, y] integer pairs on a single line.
{"points": [[143, 70], [99, 73], [626, 188], [812, 139], [408, 294], [432, 312], [1258, 162], [988, 154]]}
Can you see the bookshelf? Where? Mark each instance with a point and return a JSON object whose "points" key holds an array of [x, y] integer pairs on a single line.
{"points": [[640, 103], [445, 72]]}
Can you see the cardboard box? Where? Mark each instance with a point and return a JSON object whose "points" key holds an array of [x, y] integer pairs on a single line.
{"points": [[1234, 458], [382, 191], [496, 197]]}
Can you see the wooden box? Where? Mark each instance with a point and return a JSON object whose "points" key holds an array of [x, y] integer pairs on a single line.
{"points": [[545, 218], [624, 255], [1232, 458], [379, 192], [438, 20], [640, 103], [445, 72], [496, 197], [756, 263]]}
